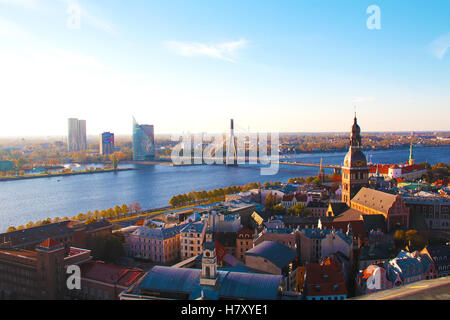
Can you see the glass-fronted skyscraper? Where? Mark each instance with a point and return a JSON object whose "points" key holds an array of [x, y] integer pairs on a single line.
{"points": [[143, 142]]}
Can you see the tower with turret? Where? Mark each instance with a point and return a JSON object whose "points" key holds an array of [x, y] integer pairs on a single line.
{"points": [[209, 274], [355, 171]]}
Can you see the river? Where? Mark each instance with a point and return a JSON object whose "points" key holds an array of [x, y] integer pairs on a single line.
{"points": [[22, 201]]}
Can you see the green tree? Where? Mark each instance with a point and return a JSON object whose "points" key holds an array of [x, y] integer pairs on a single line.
{"points": [[107, 247], [125, 210], [415, 240], [270, 201], [400, 238], [278, 210], [298, 210]]}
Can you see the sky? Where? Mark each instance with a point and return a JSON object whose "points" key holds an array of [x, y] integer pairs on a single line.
{"points": [[190, 66]]}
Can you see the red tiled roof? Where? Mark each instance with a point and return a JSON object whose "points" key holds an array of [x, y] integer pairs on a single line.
{"points": [[109, 273], [325, 280], [301, 197], [49, 243], [382, 169], [414, 167], [288, 197]]}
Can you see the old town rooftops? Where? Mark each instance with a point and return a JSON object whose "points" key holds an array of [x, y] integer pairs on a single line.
{"points": [[167, 281], [108, 273], [196, 227], [377, 200], [157, 233], [279, 254]]}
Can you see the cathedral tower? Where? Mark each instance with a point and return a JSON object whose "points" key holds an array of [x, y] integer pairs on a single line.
{"points": [[355, 171]]}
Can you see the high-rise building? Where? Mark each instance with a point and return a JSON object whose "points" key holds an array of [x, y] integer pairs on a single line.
{"points": [[355, 172], [77, 135], [106, 143], [143, 142]]}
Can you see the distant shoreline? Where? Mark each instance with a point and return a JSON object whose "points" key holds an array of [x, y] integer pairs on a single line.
{"points": [[51, 175], [364, 150]]}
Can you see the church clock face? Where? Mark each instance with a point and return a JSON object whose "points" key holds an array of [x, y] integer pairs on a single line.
{"points": [[359, 163]]}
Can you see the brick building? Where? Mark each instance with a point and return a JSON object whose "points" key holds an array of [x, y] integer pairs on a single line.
{"points": [[38, 273]]}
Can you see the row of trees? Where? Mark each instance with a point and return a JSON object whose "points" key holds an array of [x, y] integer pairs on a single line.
{"points": [[111, 213], [212, 195], [316, 180]]}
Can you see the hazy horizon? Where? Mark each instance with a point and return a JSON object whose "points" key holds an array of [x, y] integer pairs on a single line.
{"points": [[191, 66]]}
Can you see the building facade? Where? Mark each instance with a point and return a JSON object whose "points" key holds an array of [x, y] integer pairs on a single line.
{"points": [[38, 273], [143, 142], [156, 244], [374, 202], [244, 242], [192, 238], [106, 143], [435, 210], [355, 171], [77, 135], [101, 281], [324, 282]]}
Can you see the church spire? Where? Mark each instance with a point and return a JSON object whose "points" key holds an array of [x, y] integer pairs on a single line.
{"points": [[355, 140], [411, 154]]}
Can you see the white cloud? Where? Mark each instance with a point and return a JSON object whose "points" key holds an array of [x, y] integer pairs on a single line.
{"points": [[363, 99], [223, 51], [439, 47]]}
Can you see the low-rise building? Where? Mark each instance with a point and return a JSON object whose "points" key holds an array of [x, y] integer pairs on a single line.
{"points": [[317, 208], [274, 258], [156, 244], [100, 281], [324, 282], [207, 283], [434, 209], [375, 254], [192, 238], [440, 255], [403, 269], [244, 242], [316, 244], [39, 273], [290, 200], [284, 236]]}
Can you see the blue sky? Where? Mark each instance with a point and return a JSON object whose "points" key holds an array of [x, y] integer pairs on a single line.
{"points": [[287, 66]]}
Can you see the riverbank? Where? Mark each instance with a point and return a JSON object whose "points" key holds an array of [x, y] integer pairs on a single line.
{"points": [[153, 186], [50, 175]]}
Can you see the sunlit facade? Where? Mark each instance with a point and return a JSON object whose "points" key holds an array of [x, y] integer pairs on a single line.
{"points": [[143, 142], [77, 135]]}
